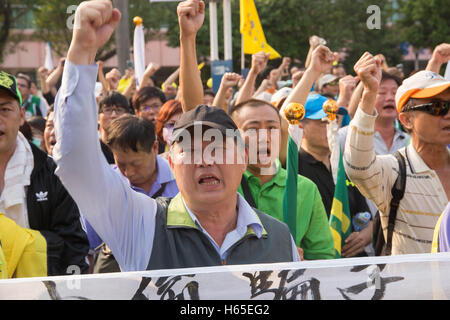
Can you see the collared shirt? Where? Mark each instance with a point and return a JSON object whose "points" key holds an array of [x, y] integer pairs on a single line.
{"points": [[164, 179], [13, 198], [424, 198], [247, 218], [401, 139], [313, 234], [124, 218]]}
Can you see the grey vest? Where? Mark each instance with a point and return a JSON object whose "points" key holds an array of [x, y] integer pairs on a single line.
{"points": [[188, 247]]}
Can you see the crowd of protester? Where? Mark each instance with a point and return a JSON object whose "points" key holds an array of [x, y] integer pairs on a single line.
{"points": [[99, 173]]}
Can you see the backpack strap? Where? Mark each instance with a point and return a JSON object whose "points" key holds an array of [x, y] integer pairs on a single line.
{"points": [[160, 191], [398, 190], [247, 193]]}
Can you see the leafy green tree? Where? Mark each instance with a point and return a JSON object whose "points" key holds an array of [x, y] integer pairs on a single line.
{"points": [[54, 23], [424, 23], [288, 24], [52, 20], [11, 12]]}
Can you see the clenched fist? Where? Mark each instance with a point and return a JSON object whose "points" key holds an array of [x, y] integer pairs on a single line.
{"points": [[230, 79], [95, 21], [191, 14], [368, 69], [322, 59], [259, 61], [442, 53]]}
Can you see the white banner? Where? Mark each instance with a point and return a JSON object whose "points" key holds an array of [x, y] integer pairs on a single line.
{"points": [[48, 63], [424, 276], [139, 54]]}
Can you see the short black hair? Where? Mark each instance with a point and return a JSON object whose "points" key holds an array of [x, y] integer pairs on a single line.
{"points": [[145, 93], [129, 132], [26, 78], [37, 122], [389, 76], [253, 103], [113, 98]]}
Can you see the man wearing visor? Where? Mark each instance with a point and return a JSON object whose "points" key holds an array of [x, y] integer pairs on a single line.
{"points": [[423, 105]]}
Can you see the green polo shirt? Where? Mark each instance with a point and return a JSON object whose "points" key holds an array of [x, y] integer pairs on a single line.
{"points": [[313, 231]]}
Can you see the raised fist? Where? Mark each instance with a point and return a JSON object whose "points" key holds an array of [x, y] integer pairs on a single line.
{"points": [[191, 14], [315, 41], [152, 68], [259, 61], [347, 84], [368, 69], [230, 79], [441, 54], [95, 21], [43, 72], [322, 59]]}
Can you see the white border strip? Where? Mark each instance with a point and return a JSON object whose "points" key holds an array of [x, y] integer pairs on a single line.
{"points": [[333, 263]]}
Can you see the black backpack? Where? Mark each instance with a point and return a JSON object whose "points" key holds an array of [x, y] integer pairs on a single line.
{"points": [[382, 247]]}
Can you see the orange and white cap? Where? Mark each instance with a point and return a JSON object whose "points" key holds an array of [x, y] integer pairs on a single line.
{"points": [[423, 84]]}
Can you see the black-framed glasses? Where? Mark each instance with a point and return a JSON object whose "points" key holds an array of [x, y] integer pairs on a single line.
{"points": [[109, 110], [153, 107], [435, 108]]}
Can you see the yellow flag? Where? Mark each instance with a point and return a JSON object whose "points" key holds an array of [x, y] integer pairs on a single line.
{"points": [[251, 30]]}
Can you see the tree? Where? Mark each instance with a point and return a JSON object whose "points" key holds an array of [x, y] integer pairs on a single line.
{"points": [[288, 24], [54, 23], [53, 17], [11, 11], [424, 23]]}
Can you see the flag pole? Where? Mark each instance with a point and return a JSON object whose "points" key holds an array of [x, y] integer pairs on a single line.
{"points": [[242, 53]]}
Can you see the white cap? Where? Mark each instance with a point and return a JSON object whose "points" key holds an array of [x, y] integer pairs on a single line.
{"points": [[327, 78], [423, 84], [280, 95]]}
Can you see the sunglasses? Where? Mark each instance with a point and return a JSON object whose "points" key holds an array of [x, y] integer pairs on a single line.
{"points": [[435, 108], [332, 83]]}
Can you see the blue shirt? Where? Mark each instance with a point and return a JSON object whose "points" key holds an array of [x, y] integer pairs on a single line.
{"points": [[124, 218], [164, 176]]}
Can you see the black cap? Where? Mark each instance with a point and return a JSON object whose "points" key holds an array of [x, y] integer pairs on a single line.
{"points": [[8, 83], [204, 115]]}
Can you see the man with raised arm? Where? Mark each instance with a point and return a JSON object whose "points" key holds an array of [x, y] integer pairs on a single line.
{"points": [[208, 223], [423, 104]]}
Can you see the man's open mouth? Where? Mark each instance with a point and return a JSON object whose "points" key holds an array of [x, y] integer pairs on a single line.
{"points": [[388, 107], [208, 180]]}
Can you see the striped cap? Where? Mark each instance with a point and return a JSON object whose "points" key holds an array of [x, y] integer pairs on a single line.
{"points": [[423, 84]]}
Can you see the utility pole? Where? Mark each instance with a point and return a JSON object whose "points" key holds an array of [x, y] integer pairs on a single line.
{"points": [[122, 35], [228, 54], [213, 37]]}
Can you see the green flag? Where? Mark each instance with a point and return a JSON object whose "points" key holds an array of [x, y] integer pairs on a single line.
{"points": [[340, 220], [290, 192]]}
